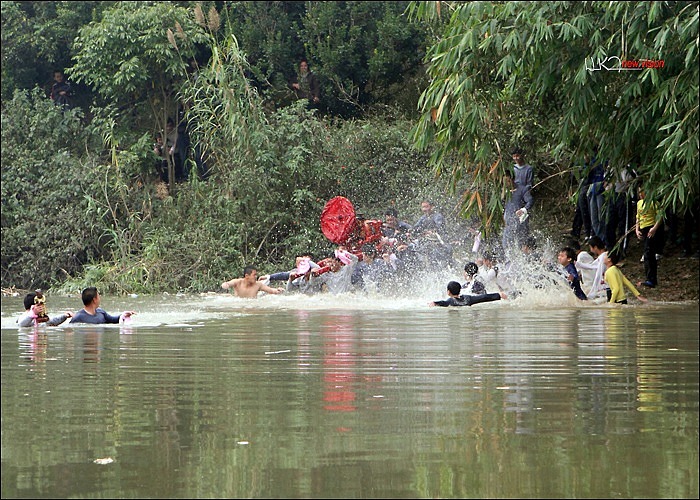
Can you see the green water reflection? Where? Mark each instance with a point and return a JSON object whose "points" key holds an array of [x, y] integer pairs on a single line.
{"points": [[241, 401]]}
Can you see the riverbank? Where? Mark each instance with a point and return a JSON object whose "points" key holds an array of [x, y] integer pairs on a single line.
{"points": [[679, 277]]}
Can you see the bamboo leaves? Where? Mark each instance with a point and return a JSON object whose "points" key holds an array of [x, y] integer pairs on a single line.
{"points": [[541, 54]]}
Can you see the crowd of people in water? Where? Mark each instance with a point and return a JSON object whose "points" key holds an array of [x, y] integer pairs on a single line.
{"points": [[385, 255], [381, 254], [488, 277]]}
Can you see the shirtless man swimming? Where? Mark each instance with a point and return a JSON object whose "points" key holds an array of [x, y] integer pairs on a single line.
{"points": [[248, 286]]}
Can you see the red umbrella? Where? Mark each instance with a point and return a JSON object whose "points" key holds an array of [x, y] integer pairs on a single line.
{"points": [[338, 220]]}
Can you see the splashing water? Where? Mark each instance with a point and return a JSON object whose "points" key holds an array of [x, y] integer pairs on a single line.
{"points": [[537, 283]]}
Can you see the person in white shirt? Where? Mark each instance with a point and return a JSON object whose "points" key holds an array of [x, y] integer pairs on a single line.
{"points": [[597, 286], [339, 278]]}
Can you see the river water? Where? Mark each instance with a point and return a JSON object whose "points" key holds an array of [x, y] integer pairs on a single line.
{"points": [[356, 396]]}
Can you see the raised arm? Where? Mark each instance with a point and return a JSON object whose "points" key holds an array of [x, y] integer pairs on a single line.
{"points": [[231, 283]]}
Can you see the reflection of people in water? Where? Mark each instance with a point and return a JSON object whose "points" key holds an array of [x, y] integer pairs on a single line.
{"points": [[339, 368], [38, 346], [92, 347]]}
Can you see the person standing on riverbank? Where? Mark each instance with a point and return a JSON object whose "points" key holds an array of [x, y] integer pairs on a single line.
{"points": [[523, 174], [61, 90], [306, 85], [650, 229], [516, 227]]}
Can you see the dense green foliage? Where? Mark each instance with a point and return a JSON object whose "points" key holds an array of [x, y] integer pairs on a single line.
{"points": [[501, 74], [37, 38], [517, 73], [373, 58], [48, 229], [263, 208], [270, 171]]}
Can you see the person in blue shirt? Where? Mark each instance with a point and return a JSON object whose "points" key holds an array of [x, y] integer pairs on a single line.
{"points": [[92, 312], [567, 258], [455, 299], [516, 227]]}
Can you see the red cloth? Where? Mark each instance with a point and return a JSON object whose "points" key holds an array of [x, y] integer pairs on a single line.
{"points": [[338, 220]]}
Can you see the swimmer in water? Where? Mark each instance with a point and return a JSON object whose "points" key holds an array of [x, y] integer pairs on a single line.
{"points": [[248, 286], [455, 299]]}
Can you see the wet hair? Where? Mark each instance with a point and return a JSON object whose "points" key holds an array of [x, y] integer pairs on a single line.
{"points": [[490, 256], [471, 268], [392, 212], [248, 269], [29, 300], [595, 241], [454, 287], [570, 253], [89, 295]]}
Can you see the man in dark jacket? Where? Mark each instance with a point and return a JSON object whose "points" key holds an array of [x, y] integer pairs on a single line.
{"points": [[306, 84], [60, 90], [455, 299]]}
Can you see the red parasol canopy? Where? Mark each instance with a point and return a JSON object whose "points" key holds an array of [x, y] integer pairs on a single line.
{"points": [[338, 220]]}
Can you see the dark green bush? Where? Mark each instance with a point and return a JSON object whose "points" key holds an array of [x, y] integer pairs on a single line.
{"points": [[47, 233]]}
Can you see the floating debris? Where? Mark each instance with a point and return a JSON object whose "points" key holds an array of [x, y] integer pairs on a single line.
{"points": [[103, 461]]}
